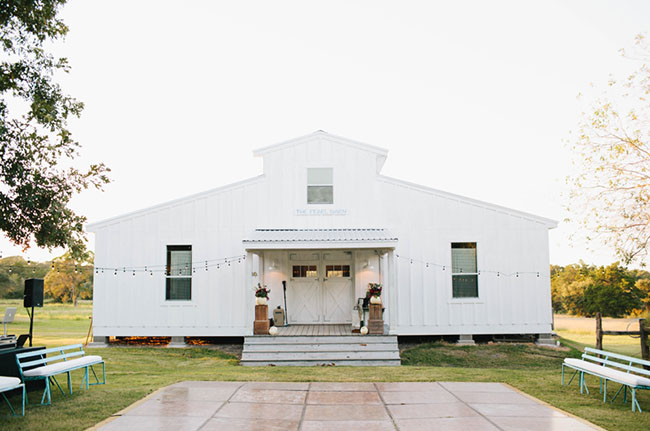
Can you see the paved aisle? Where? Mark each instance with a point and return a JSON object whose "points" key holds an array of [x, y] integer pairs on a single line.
{"points": [[404, 406]]}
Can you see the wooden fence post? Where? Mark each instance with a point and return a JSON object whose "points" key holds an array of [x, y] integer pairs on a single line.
{"points": [[645, 349], [599, 331]]}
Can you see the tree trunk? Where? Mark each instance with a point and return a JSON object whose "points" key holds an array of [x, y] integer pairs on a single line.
{"points": [[599, 331]]}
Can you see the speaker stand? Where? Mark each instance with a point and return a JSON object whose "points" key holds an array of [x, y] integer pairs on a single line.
{"points": [[31, 325]]}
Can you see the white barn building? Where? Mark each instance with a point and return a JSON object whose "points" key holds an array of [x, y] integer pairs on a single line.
{"points": [[322, 218]]}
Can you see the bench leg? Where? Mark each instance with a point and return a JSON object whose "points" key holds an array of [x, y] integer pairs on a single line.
{"points": [[24, 399], [47, 393], [633, 399], [583, 383], [57, 385], [92, 368], [604, 386], [572, 377], [69, 383], [624, 394], [9, 404]]}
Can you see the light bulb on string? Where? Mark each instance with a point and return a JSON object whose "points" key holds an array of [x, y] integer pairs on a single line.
{"points": [[134, 272], [538, 275]]}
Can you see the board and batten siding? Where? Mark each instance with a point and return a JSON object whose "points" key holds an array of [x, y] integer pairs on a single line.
{"points": [[505, 242], [425, 221]]}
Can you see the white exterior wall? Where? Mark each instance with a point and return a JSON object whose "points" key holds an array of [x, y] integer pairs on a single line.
{"points": [[425, 222]]}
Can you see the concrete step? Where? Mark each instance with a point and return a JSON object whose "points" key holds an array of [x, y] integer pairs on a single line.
{"points": [[343, 347], [333, 339], [323, 356], [312, 363]]}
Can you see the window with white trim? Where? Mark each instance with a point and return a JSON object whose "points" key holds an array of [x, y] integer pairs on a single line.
{"points": [[464, 272], [178, 280], [320, 185]]}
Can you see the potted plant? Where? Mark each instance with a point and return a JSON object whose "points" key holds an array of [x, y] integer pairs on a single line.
{"points": [[261, 294], [374, 293]]}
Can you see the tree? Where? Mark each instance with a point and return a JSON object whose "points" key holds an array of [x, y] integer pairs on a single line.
{"points": [[643, 285], [14, 270], [34, 136], [610, 194], [70, 278], [586, 289]]}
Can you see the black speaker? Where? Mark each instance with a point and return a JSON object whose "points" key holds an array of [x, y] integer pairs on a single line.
{"points": [[33, 293]]}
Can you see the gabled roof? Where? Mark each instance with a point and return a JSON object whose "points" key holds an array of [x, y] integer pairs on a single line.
{"points": [[320, 238], [91, 227], [320, 133], [549, 223]]}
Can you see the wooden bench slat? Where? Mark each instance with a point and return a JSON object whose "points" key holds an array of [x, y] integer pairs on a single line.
{"points": [[625, 367], [50, 350], [617, 356], [51, 359]]}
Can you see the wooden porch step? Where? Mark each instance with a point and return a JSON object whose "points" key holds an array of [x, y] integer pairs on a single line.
{"points": [[349, 350], [324, 356], [309, 347], [314, 363], [327, 339]]}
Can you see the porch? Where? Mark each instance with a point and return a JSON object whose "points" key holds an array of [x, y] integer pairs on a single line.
{"points": [[315, 330], [317, 276]]}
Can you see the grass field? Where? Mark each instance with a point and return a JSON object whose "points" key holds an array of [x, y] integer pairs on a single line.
{"points": [[581, 332], [133, 372]]}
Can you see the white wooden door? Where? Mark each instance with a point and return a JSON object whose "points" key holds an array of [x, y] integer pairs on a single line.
{"points": [[304, 293], [320, 288], [337, 287]]}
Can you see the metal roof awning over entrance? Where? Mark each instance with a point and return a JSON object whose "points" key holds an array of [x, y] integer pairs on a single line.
{"points": [[319, 238]]}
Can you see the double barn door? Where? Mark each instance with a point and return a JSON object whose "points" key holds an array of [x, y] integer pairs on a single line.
{"points": [[320, 287]]}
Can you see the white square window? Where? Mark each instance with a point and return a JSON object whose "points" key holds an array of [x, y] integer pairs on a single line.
{"points": [[464, 274], [320, 186]]}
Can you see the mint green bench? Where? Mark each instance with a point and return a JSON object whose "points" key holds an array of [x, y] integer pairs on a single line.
{"points": [[627, 371], [35, 365], [9, 384]]}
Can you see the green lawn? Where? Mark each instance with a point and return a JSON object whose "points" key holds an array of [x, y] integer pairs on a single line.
{"points": [[133, 372]]}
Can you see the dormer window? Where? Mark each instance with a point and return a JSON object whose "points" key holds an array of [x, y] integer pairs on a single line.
{"points": [[320, 186]]}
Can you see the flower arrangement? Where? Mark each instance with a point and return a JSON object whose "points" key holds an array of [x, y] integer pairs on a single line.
{"points": [[262, 291], [374, 290]]}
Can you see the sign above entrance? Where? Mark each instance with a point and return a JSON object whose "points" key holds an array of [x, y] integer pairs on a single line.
{"points": [[321, 212]]}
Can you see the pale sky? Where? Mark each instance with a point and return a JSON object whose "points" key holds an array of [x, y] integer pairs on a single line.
{"points": [[471, 97]]}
